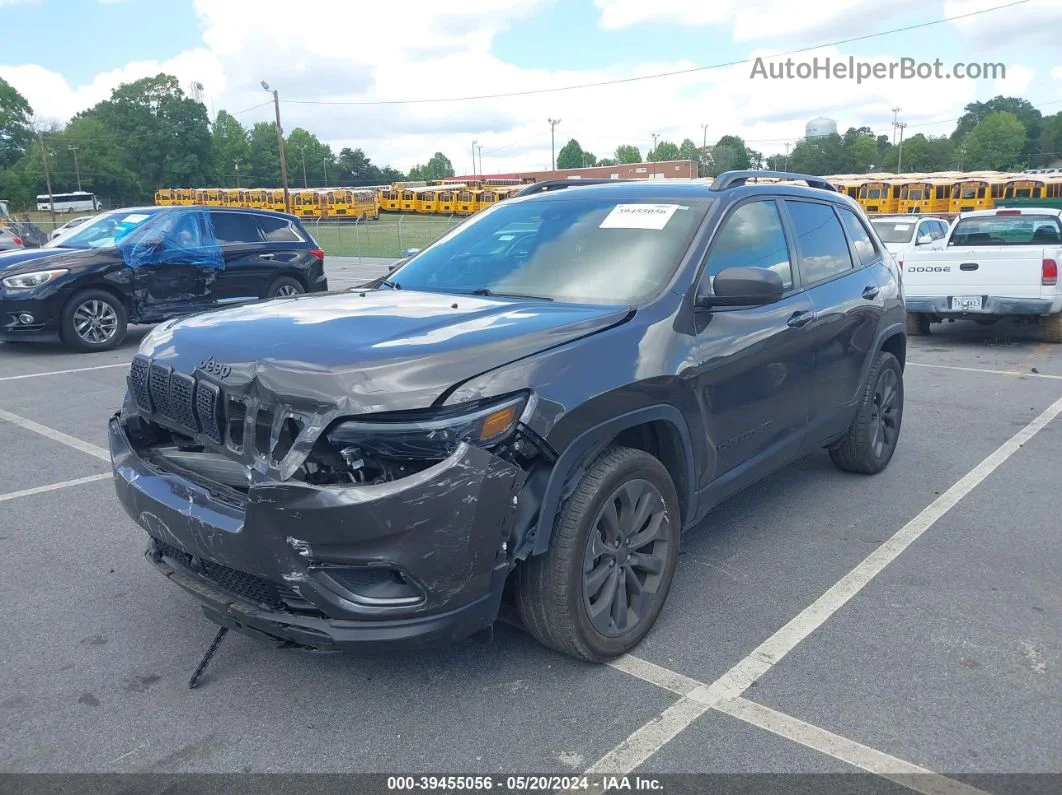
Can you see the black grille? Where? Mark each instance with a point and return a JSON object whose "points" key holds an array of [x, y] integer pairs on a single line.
{"points": [[207, 404], [138, 383], [246, 586], [159, 388], [182, 400]]}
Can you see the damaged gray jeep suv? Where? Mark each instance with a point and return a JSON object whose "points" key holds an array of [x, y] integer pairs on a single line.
{"points": [[534, 407]]}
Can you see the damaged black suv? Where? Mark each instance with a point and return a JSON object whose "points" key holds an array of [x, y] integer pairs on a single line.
{"points": [[543, 399]]}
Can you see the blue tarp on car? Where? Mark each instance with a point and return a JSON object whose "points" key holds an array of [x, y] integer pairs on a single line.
{"points": [[176, 238]]}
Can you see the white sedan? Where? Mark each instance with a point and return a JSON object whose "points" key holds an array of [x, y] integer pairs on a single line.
{"points": [[72, 223], [902, 233]]}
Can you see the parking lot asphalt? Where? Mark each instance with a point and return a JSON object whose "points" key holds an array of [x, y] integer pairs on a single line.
{"points": [[819, 622]]}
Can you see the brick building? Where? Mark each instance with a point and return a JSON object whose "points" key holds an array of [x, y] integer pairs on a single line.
{"points": [[666, 169]]}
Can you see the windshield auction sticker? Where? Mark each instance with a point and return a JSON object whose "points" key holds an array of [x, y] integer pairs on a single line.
{"points": [[639, 216]]}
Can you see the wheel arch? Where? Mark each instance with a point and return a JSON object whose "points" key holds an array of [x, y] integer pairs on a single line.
{"points": [[660, 430]]}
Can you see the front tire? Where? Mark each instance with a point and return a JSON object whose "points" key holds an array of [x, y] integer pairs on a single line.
{"points": [[93, 320], [599, 588], [917, 324], [871, 440]]}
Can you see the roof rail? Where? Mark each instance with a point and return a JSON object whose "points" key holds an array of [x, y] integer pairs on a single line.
{"points": [[734, 179], [557, 184]]}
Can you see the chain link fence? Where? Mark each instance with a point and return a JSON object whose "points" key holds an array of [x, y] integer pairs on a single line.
{"points": [[387, 237]]}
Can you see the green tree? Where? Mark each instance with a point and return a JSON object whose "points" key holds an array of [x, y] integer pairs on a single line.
{"points": [[310, 162], [823, 155], [688, 150], [16, 135], [665, 150], [438, 167], [570, 155], [625, 153], [263, 156], [608, 161], [231, 146], [922, 154], [994, 144], [1049, 142], [728, 154]]}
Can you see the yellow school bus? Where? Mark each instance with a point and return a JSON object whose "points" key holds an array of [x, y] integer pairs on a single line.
{"points": [[307, 203], [365, 204], [256, 197], [1028, 186], [926, 196], [468, 202], [427, 201], [977, 192], [389, 199], [407, 203], [231, 197], [880, 196], [274, 200], [447, 202], [848, 184], [164, 197]]}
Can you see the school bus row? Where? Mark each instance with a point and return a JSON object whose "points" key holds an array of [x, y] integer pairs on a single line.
{"points": [[310, 203], [947, 192]]}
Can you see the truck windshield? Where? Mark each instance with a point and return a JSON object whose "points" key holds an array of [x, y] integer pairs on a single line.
{"points": [[1009, 230], [565, 248], [893, 232]]}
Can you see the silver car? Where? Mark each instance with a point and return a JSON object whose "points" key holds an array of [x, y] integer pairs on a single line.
{"points": [[9, 239]]}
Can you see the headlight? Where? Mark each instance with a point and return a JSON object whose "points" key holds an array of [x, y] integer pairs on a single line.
{"points": [[399, 437], [27, 281]]}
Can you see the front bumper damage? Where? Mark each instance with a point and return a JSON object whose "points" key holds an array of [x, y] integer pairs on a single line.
{"points": [[419, 560]]}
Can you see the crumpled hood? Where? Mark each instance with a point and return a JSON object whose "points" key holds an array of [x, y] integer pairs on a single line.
{"points": [[360, 352]]}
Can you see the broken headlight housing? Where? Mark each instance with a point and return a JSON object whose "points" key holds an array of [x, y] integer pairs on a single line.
{"points": [[430, 437]]}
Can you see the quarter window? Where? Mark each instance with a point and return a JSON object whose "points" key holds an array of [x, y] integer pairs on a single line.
{"points": [[823, 247], [752, 237], [864, 246], [277, 230]]}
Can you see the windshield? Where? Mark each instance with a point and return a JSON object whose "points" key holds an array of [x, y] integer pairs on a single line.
{"points": [[1015, 230], [892, 232], [103, 231], [583, 250]]}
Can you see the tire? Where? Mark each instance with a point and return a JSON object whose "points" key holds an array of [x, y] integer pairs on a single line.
{"points": [[862, 450], [551, 589], [285, 287], [1051, 328], [93, 320], [917, 324]]}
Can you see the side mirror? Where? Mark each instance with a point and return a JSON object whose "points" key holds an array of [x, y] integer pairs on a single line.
{"points": [[924, 240], [409, 252], [742, 286], [396, 265]]}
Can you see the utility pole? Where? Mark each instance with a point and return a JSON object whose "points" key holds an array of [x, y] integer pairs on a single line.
{"points": [[480, 148], [895, 116], [324, 168], [305, 182], [47, 174], [787, 145], [899, 155], [704, 149], [652, 155], [280, 147], [236, 165], [77, 168], [474, 158], [553, 143]]}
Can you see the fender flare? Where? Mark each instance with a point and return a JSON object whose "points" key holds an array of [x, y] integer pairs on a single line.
{"points": [[577, 456]]}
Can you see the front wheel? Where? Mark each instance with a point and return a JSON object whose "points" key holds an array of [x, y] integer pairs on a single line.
{"points": [[599, 588], [93, 320], [871, 440]]}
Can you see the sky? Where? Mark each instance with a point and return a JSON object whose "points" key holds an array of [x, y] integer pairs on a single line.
{"points": [[331, 60]]}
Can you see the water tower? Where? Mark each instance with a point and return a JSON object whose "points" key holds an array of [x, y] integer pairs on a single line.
{"points": [[820, 127]]}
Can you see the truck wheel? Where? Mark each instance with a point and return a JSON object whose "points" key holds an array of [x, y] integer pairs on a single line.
{"points": [[601, 585], [1052, 328], [871, 440], [917, 324], [93, 320]]}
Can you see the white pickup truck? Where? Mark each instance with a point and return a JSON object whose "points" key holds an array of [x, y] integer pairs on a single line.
{"points": [[994, 264]]}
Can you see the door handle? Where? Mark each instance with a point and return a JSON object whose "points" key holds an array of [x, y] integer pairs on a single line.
{"points": [[871, 292], [267, 256], [968, 266], [800, 319]]}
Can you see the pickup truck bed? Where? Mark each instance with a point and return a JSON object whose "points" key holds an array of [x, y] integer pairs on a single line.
{"points": [[994, 264]]}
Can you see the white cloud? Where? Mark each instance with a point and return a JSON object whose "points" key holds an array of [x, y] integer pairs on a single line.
{"points": [[441, 50], [1035, 23]]}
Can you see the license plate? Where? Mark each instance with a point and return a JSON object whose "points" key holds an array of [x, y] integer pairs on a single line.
{"points": [[966, 303]]}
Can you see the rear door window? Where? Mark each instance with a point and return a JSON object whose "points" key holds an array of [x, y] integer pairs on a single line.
{"points": [[824, 251], [752, 237], [864, 245], [235, 229]]}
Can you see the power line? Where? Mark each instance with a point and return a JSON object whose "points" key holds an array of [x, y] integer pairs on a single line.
{"points": [[639, 78]]}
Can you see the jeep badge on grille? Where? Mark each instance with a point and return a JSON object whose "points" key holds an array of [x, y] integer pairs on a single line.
{"points": [[216, 369]]}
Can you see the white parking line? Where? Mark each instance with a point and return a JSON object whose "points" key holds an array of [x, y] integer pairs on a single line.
{"points": [[982, 370], [650, 738], [61, 372], [58, 436], [14, 495], [897, 770]]}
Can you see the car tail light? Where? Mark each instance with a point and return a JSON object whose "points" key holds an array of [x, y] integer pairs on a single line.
{"points": [[1049, 273], [317, 253], [1008, 212], [18, 241]]}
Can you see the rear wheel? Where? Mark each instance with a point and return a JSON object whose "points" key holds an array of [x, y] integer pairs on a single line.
{"points": [[1051, 327], [870, 442], [93, 320], [285, 287], [917, 324], [599, 588]]}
